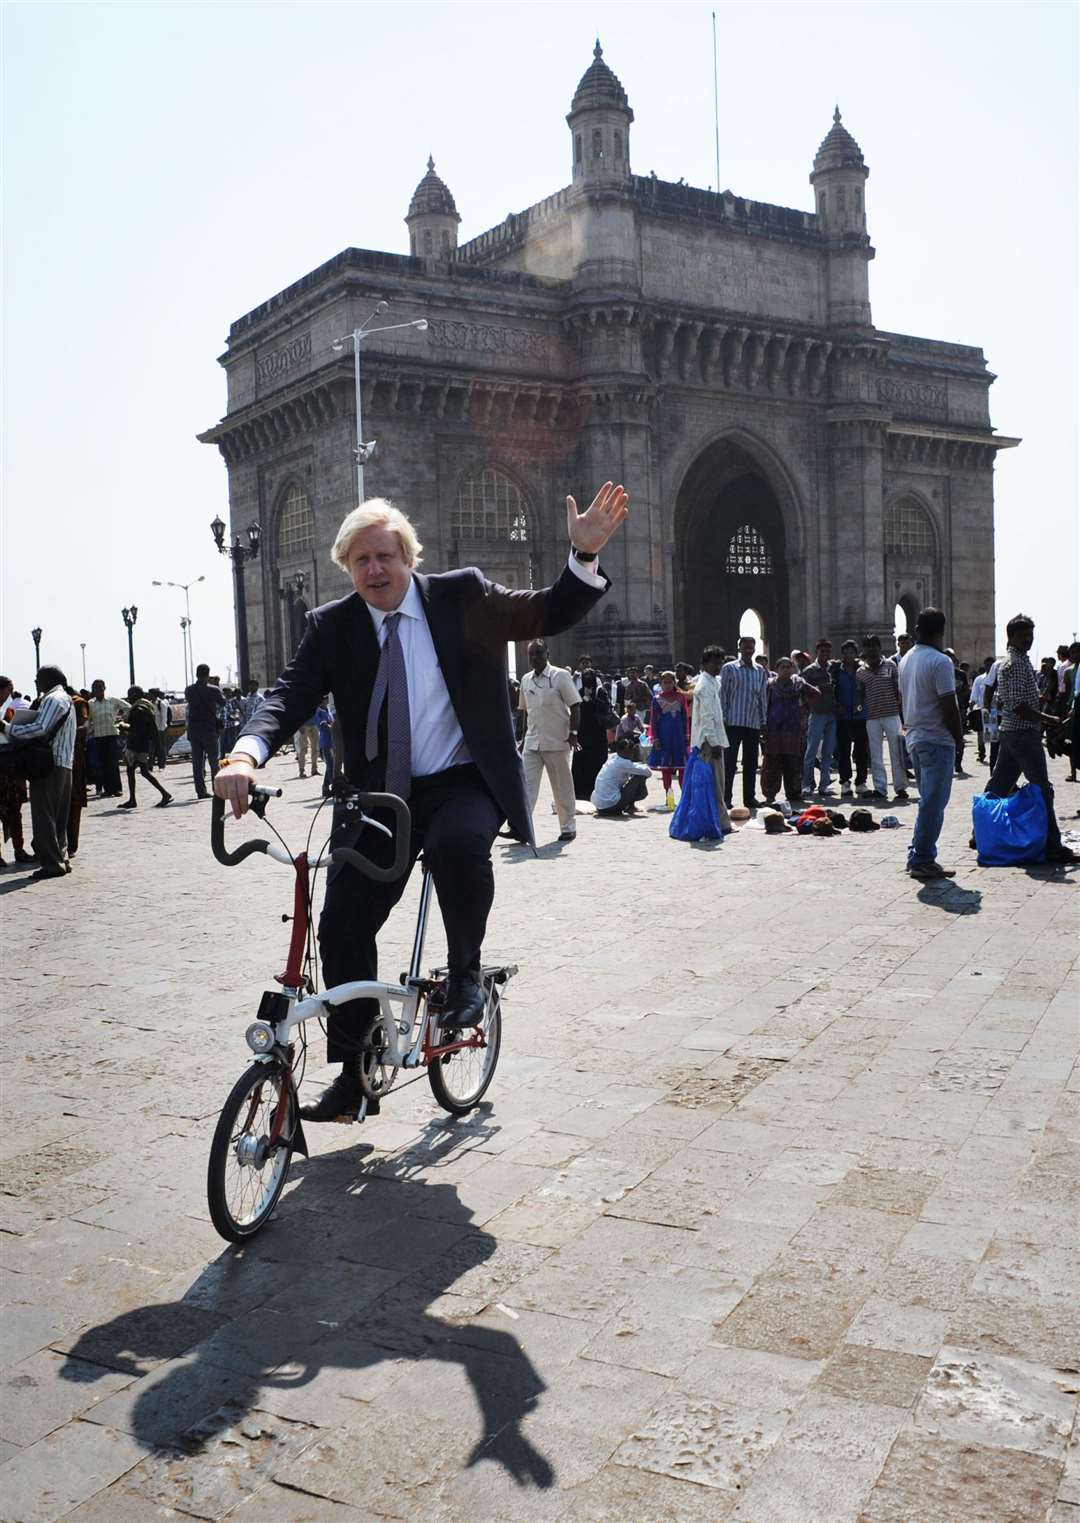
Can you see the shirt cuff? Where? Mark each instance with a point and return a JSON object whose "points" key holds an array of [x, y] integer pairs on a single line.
{"points": [[590, 578], [255, 746]]}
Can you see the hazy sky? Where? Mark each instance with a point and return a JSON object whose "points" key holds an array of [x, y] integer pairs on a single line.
{"points": [[168, 167]]}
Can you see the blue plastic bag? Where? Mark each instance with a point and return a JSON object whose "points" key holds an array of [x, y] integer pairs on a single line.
{"points": [[1010, 831], [697, 818]]}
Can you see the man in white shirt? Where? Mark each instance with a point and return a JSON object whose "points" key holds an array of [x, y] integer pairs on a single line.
{"points": [[552, 705], [975, 705], [934, 735], [707, 730], [621, 783]]}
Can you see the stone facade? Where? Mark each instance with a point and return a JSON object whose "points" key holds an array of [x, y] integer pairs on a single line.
{"points": [[715, 354]]}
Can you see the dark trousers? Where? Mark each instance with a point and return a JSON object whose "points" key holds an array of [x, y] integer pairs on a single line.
{"points": [[50, 800], [204, 741], [741, 737], [632, 792], [454, 822], [851, 742], [977, 726], [1021, 751], [107, 763], [161, 755], [788, 769]]}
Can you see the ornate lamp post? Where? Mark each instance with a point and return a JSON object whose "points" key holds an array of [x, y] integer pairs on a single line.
{"points": [[35, 635], [240, 554], [364, 452], [291, 589], [129, 616]]}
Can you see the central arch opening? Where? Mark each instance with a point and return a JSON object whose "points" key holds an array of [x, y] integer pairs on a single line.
{"points": [[730, 554]]}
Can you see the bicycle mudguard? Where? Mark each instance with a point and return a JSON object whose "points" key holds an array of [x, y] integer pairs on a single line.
{"points": [[402, 836]]}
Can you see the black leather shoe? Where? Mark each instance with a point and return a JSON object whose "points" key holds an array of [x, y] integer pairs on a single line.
{"points": [[340, 1102], [464, 1001]]}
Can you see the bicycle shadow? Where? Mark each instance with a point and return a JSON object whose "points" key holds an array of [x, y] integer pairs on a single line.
{"points": [[391, 1214]]}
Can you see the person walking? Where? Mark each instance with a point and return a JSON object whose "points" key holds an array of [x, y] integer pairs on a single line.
{"points": [[707, 730], [821, 730], [928, 695], [975, 707], [105, 716], [552, 709], [879, 684], [306, 746], [161, 727], [963, 693], [205, 704], [78, 772], [742, 697], [1021, 750], [50, 795], [852, 753], [324, 720], [141, 743], [782, 742]]}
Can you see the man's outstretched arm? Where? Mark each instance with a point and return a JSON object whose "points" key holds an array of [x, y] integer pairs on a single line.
{"points": [[548, 611]]}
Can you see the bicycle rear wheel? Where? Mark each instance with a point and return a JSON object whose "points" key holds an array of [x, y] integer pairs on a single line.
{"points": [[245, 1175], [458, 1081]]}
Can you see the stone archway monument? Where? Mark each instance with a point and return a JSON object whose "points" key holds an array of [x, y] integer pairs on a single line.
{"points": [[730, 553]]}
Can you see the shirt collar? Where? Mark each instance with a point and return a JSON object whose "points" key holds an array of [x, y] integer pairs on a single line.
{"points": [[410, 607]]}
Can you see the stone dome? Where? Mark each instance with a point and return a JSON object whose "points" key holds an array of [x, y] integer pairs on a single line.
{"points": [[432, 197], [838, 150], [598, 86]]}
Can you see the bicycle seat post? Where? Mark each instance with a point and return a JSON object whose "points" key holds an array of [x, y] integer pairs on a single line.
{"points": [[427, 887]]}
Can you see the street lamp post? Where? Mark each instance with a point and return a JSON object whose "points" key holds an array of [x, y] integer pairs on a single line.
{"points": [[240, 554], [35, 635], [291, 589], [365, 452], [189, 654], [82, 647], [184, 626], [129, 616]]}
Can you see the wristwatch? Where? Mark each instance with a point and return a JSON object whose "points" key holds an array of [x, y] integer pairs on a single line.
{"points": [[583, 555]]}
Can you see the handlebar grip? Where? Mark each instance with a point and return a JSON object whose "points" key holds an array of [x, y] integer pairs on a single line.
{"points": [[217, 837], [402, 834]]}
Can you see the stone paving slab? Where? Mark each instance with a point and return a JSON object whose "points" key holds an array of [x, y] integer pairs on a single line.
{"points": [[771, 1213]]}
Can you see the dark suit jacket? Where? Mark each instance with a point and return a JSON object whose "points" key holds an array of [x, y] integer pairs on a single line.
{"points": [[471, 620]]}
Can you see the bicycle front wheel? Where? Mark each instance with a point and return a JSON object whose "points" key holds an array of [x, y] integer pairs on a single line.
{"points": [[246, 1175], [459, 1079]]}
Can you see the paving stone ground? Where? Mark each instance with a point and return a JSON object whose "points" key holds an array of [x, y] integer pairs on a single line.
{"points": [[771, 1214]]}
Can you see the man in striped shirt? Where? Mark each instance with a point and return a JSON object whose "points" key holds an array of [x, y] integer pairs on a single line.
{"points": [[880, 688], [742, 699], [50, 796]]}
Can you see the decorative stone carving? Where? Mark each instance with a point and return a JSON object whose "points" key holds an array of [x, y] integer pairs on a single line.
{"points": [[488, 339], [279, 362]]}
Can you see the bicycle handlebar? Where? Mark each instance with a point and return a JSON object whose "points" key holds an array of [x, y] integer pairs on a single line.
{"points": [[363, 801]]}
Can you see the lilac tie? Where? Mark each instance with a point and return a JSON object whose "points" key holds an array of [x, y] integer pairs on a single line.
{"points": [[392, 684]]}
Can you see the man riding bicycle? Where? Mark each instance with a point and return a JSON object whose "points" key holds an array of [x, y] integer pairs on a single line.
{"points": [[417, 666]]}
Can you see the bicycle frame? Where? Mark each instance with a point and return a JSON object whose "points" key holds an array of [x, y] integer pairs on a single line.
{"points": [[408, 1043]]}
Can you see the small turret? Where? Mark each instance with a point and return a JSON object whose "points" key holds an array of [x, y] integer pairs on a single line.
{"points": [[599, 122], [838, 180], [433, 218]]}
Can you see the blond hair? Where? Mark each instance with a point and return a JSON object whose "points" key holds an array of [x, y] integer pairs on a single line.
{"points": [[376, 511]]}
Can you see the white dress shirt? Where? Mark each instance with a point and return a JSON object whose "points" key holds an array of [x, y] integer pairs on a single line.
{"points": [[707, 714], [437, 741]]}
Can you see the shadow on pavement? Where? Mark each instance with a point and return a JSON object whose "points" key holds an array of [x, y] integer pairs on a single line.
{"points": [[350, 1268], [950, 897]]}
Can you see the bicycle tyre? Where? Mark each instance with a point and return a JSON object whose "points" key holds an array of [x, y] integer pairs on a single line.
{"points": [[458, 1081], [225, 1168]]}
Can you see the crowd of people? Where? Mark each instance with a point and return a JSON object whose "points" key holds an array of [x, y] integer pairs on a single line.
{"points": [[870, 720]]}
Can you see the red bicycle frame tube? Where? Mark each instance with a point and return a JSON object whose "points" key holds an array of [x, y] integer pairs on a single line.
{"points": [[293, 976]]}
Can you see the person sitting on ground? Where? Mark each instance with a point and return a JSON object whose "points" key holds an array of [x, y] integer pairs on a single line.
{"points": [[141, 747], [621, 783]]}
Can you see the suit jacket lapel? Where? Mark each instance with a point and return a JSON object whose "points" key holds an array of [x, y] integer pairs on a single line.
{"points": [[364, 643]]}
